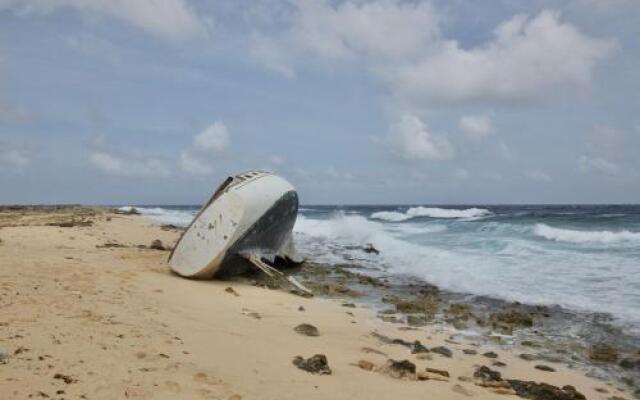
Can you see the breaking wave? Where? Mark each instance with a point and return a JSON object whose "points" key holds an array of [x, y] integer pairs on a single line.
{"points": [[579, 236], [164, 215], [431, 212]]}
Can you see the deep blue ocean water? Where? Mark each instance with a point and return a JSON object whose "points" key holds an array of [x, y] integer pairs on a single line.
{"points": [[583, 257]]}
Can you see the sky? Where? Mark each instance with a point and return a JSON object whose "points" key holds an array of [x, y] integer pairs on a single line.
{"points": [[354, 101]]}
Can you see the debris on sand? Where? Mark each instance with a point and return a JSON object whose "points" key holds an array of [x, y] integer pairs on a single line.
{"points": [[157, 245], [232, 291], [317, 364], [404, 369], [307, 330], [65, 378], [366, 365]]}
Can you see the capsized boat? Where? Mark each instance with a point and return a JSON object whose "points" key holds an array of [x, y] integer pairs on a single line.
{"points": [[247, 221]]}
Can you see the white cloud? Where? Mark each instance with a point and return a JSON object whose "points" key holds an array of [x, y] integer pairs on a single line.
{"points": [[193, 164], [411, 139], [476, 127], [215, 137], [598, 164], [196, 159], [13, 160], [381, 29], [131, 167], [167, 19], [536, 175], [527, 59]]}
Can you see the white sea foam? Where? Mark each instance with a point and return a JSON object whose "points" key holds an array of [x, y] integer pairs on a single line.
{"points": [[492, 264], [164, 215], [431, 212], [583, 236]]}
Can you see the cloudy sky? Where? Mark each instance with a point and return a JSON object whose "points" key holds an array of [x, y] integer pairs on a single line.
{"points": [[380, 101]]}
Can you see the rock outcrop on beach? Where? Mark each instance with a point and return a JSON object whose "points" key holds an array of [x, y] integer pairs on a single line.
{"points": [[316, 364]]}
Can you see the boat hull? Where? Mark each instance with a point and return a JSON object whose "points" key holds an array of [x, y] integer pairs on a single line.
{"points": [[250, 214]]}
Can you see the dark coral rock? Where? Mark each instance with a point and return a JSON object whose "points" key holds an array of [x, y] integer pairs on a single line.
{"points": [[317, 364], [544, 391]]}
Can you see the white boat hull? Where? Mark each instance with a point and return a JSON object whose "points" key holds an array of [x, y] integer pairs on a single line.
{"points": [[251, 214]]}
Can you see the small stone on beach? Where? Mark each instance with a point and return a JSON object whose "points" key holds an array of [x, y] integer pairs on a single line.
{"points": [[399, 369], [307, 330], [546, 368], [443, 351], [490, 354], [317, 364], [232, 291]]}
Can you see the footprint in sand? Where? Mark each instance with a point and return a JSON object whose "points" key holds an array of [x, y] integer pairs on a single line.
{"points": [[173, 386], [204, 378]]}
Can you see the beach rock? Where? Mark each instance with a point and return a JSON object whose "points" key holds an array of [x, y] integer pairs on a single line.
{"points": [[544, 391], [370, 249], [317, 364], [507, 321], [307, 330], [348, 305], [232, 291], [443, 351], [490, 354], [418, 347], [427, 305], [603, 352], [169, 227], [65, 378], [157, 245], [498, 364], [486, 374], [543, 367], [332, 289], [630, 363], [441, 372], [429, 376], [366, 365], [404, 369], [301, 308], [528, 357], [460, 311], [470, 352]]}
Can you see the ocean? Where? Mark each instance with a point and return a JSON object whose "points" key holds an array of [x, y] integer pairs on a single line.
{"points": [[582, 257]]}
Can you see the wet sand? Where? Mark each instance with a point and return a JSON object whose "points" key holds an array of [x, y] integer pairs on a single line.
{"points": [[88, 310]]}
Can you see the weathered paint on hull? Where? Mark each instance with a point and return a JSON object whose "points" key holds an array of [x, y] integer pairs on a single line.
{"points": [[251, 213]]}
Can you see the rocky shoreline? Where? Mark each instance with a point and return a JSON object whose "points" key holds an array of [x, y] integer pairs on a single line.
{"points": [[542, 335]]}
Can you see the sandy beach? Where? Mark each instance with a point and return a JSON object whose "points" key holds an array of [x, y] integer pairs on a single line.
{"points": [[88, 310]]}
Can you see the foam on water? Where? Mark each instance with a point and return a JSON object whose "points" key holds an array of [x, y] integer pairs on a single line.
{"points": [[431, 212], [165, 215], [581, 236], [493, 258]]}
